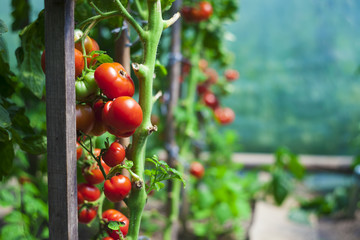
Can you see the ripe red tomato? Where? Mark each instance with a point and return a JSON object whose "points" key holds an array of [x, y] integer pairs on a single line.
{"points": [[79, 62], [210, 100], [114, 215], [197, 170], [231, 75], [95, 47], [87, 192], [224, 115], [122, 116], [212, 76], [87, 43], [202, 88], [203, 64], [93, 173], [114, 155], [79, 151], [85, 118], [117, 188], [206, 10], [99, 127], [107, 238], [186, 13], [114, 81], [86, 215]]}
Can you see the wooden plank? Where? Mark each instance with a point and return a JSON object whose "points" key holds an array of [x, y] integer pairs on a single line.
{"points": [[60, 114]]}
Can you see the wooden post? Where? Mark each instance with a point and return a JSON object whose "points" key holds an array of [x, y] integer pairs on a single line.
{"points": [[60, 115]]}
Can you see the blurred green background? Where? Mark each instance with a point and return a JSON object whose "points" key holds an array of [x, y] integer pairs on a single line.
{"points": [[299, 84]]}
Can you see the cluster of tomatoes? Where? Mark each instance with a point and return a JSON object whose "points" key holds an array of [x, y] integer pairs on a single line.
{"points": [[115, 189], [104, 93], [197, 13], [224, 115]]}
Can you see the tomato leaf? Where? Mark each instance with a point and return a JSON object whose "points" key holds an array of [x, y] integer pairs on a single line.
{"points": [[7, 157], [20, 14], [114, 225], [4, 118], [3, 27], [32, 42]]}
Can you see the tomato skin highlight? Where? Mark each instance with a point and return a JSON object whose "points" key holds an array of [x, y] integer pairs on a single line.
{"points": [[117, 188], [114, 215], [114, 81], [114, 155], [197, 170], [122, 116]]}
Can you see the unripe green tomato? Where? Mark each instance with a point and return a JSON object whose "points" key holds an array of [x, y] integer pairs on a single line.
{"points": [[86, 87]]}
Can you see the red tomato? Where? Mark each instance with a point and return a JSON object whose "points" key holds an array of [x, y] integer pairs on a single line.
{"points": [[79, 62], [93, 173], [114, 215], [107, 238], [114, 155], [197, 170], [210, 100], [206, 10], [114, 81], [117, 188], [186, 13], [85, 118], [202, 88], [95, 47], [231, 75], [224, 115], [86, 215], [87, 43], [203, 64], [79, 151], [211, 75], [88, 192], [99, 127], [122, 116]]}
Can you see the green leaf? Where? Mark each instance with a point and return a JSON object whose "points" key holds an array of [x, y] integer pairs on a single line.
{"points": [[3, 27], [200, 229], [20, 14], [166, 4], [12, 231], [14, 217], [222, 212], [33, 144], [280, 185], [4, 118], [296, 168], [113, 225], [7, 197], [7, 157], [160, 68], [32, 42], [159, 185]]}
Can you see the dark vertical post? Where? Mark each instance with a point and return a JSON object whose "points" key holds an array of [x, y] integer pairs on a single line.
{"points": [[60, 115]]}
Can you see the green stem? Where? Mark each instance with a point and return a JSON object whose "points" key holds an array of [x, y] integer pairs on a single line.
{"points": [[145, 73]]}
